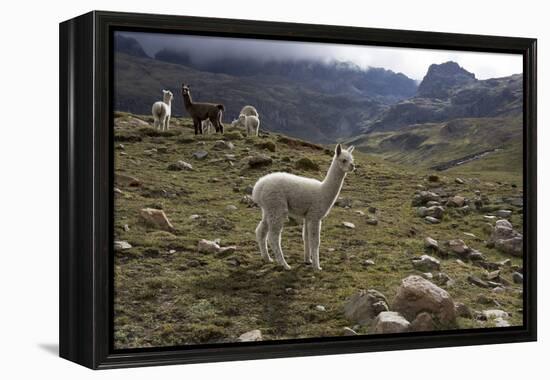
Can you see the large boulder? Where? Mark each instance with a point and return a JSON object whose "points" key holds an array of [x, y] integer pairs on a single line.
{"points": [[426, 263], [417, 295], [424, 197], [505, 239], [364, 306], [389, 322]]}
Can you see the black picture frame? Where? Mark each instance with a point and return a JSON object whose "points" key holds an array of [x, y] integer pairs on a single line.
{"points": [[86, 183]]}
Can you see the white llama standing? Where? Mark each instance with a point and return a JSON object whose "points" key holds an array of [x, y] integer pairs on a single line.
{"points": [[162, 110], [280, 195]]}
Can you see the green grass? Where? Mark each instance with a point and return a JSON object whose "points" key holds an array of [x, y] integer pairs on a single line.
{"points": [[166, 293]]}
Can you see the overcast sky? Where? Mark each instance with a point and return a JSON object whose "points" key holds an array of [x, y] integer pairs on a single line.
{"points": [[412, 62]]}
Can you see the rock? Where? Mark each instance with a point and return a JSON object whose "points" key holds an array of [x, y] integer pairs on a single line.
{"points": [[364, 306], [517, 278], [432, 220], [121, 244], [498, 290], [513, 246], [208, 246], [126, 228], [349, 332], [359, 212], [222, 145], [259, 161], [459, 247], [368, 263], [422, 322], [460, 181], [118, 191], [200, 155], [476, 256], [231, 208], [269, 145], [416, 295], [251, 336], [430, 243], [194, 217], [433, 178], [233, 261], [505, 263], [433, 203], [435, 211], [390, 322], [462, 310], [126, 180], [501, 322], [456, 201], [426, 263], [461, 263], [428, 276], [503, 213], [443, 279], [372, 210], [180, 165], [372, 221], [423, 197], [492, 314], [344, 202], [320, 308], [156, 218], [305, 163], [248, 189], [477, 281], [422, 211], [247, 200], [493, 276], [348, 225]]}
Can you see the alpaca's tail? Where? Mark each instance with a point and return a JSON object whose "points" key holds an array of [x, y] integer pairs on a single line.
{"points": [[220, 107]]}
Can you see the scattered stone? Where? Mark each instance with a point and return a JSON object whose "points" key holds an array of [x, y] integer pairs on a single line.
{"points": [[423, 197], [208, 246], [503, 213], [456, 201], [498, 289], [477, 281], [432, 220], [121, 244], [469, 234], [126, 228], [443, 279], [305, 163], [180, 165], [359, 212], [517, 278], [233, 261], [475, 255], [247, 200], [372, 210], [364, 306], [348, 225], [269, 145], [501, 322], [320, 308], [390, 322], [372, 221], [248, 189], [433, 178], [433, 203], [349, 332], [461, 263], [118, 191], [428, 276], [222, 145], [231, 208], [126, 180], [200, 155], [505, 263], [462, 310], [459, 247], [426, 263], [156, 218], [194, 216], [494, 313], [460, 181], [368, 263], [422, 322], [344, 202], [430, 243], [416, 295], [259, 161], [513, 246], [493, 276], [505, 239], [251, 336]]}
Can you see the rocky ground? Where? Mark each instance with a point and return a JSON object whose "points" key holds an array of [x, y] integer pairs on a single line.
{"points": [[404, 248]]}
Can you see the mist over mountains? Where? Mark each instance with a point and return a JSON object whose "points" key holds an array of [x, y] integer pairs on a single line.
{"points": [[316, 100]]}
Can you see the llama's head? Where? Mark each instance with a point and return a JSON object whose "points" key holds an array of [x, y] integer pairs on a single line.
{"points": [[167, 96], [344, 159], [185, 89]]}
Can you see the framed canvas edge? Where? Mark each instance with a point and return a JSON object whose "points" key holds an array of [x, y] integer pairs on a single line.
{"points": [[86, 183]]}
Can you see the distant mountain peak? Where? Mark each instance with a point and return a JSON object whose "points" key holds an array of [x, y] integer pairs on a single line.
{"points": [[442, 78], [129, 46]]}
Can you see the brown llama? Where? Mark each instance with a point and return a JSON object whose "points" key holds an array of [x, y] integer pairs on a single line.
{"points": [[202, 111]]}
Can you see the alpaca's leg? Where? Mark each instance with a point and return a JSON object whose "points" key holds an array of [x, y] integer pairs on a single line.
{"points": [[314, 233], [274, 237], [155, 123], [305, 237], [261, 238], [168, 122]]}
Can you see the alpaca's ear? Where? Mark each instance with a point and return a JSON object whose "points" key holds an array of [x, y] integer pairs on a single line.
{"points": [[351, 148], [338, 149]]}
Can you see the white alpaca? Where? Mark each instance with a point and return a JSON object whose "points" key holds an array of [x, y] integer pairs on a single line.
{"points": [[249, 111], [250, 123], [207, 127], [280, 195], [162, 110]]}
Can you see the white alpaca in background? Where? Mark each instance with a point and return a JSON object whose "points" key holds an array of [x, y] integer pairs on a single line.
{"points": [[207, 127], [249, 111], [250, 123], [280, 195], [162, 110]]}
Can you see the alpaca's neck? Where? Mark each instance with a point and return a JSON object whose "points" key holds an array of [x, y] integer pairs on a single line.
{"points": [[332, 184], [187, 101], [168, 101]]}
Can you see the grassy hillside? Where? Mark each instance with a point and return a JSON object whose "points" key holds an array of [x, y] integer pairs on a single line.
{"points": [[167, 293], [429, 144]]}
